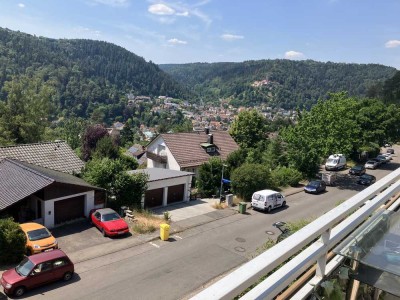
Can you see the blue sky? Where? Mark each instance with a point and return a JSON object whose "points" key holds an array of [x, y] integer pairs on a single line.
{"points": [[351, 31]]}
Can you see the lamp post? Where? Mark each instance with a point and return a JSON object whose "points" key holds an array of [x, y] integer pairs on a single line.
{"points": [[222, 182]]}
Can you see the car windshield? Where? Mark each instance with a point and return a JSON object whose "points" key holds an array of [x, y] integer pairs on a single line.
{"points": [[38, 234], [24, 267], [314, 183], [366, 176], [358, 168], [370, 162], [110, 217], [332, 161]]}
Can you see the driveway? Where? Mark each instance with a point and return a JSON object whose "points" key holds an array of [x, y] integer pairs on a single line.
{"points": [[81, 235]]}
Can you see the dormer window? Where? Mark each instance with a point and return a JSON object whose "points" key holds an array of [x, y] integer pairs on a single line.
{"points": [[210, 149]]}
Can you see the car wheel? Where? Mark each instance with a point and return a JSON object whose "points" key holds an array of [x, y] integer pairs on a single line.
{"points": [[103, 232], [284, 203], [19, 291], [269, 209], [67, 276]]}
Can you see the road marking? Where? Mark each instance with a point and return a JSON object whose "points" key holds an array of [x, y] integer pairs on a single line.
{"points": [[155, 245], [178, 237]]}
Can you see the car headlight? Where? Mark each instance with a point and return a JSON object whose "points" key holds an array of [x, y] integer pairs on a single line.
{"points": [[36, 246], [55, 242], [8, 286]]}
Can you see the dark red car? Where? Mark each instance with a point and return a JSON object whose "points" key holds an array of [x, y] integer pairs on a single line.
{"points": [[36, 270], [109, 222]]}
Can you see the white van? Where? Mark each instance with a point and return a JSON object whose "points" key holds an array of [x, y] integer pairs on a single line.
{"points": [[267, 200], [335, 162]]}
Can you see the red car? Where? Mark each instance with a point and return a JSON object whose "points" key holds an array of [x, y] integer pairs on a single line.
{"points": [[109, 222], [37, 270]]}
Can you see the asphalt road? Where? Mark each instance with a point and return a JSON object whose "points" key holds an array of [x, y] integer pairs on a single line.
{"points": [[177, 268]]}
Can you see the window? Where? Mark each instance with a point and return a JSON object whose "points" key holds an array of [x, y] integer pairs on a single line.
{"points": [[59, 262], [43, 267], [210, 149], [160, 148]]}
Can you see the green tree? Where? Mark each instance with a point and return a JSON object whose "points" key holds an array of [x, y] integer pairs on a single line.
{"points": [[72, 130], [105, 148], [12, 241], [249, 178], [249, 128], [25, 112], [122, 188], [209, 179]]}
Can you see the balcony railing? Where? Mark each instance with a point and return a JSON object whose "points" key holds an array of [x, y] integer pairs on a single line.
{"points": [[329, 229]]}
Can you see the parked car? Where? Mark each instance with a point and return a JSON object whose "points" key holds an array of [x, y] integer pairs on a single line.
{"points": [[366, 179], [38, 238], [357, 170], [388, 156], [371, 164], [390, 150], [36, 270], [109, 222], [382, 159], [267, 200], [315, 187], [335, 162]]}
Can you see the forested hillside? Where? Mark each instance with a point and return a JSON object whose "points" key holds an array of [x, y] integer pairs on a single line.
{"points": [[85, 73], [287, 83]]}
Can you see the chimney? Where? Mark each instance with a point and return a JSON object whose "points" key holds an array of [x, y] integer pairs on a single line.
{"points": [[210, 138], [206, 130]]}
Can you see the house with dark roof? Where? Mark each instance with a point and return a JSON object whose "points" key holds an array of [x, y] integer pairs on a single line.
{"points": [[165, 187], [188, 151], [36, 184], [52, 155]]}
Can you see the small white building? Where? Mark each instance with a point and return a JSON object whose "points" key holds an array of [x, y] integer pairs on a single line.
{"points": [[165, 187]]}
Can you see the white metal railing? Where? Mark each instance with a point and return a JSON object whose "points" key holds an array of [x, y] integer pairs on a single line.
{"points": [[330, 228]]}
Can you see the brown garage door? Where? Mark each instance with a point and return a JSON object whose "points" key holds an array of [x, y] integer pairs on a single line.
{"points": [[69, 209], [175, 193], [153, 198]]}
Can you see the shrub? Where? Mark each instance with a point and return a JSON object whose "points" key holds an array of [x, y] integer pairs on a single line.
{"points": [[284, 176], [249, 178], [12, 241]]}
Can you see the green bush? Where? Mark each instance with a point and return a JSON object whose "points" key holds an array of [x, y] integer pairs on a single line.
{"points": [[284, 176], [249, 178], [12, 241]]}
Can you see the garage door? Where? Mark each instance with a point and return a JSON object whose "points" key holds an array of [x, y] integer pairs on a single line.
{"points": [[69, 209], [175, 193], [153, 198]]}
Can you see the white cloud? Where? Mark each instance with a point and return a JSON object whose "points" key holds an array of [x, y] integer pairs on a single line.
{"points": [[175, 41], [183, 14], [161, 9], [21, 5], [392, 44], [87, 31], [113, 3], [294, 55], [231, 37]]}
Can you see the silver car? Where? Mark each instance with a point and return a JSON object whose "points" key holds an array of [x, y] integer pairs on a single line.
{"points": [[371, 164]]}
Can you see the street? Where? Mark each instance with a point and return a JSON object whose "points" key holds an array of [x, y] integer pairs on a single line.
{"points": [[176, 268]]}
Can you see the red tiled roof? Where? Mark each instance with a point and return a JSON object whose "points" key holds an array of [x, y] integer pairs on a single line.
{"points": [[186, 149]]}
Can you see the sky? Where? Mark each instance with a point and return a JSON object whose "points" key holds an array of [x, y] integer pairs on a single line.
{"points": [[184, 31]]}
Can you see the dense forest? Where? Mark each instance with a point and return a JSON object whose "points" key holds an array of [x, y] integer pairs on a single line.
{"points": [[287, 84], [85, 73]]}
